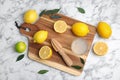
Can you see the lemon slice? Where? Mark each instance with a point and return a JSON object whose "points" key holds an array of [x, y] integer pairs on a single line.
{"points": [[45, 52], [60, 26], [100, 48]]}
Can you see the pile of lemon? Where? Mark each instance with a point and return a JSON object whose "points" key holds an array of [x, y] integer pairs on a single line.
{"points": [[103, 29], [79, 29]]}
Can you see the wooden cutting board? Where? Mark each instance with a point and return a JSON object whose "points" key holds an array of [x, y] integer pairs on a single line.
{"points": [[46, 23]]}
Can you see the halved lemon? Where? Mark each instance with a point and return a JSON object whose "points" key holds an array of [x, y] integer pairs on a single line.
{"points": [[100, 48], [60, 26], [45, 52]]}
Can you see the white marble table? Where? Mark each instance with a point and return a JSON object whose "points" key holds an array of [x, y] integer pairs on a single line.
{"points": [[97, 68]]}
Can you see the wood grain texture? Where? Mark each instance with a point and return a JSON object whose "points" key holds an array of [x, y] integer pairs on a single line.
{"points": [[58, 48], [65, 39]]}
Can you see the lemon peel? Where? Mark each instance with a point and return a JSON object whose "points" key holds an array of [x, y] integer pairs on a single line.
{"points": [[104, 30], [30, 16], [40, 36], [80, 29]]}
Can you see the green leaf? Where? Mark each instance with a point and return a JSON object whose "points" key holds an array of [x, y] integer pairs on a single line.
{"points": [[42, 71], [55, 16], [54, 11], [42, 12], [76, 67], [82, 61], [81, 10], [20, 57]]}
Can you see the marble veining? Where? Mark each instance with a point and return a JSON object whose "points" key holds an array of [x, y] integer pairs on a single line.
{"points": [[97, 68]]}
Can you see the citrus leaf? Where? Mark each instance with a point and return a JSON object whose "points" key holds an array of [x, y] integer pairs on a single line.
{"points": [[55, 17], [20, 57], [54, 11], [76, 67], [81, 10], [82, 61], [42, 71], [42, 12]]}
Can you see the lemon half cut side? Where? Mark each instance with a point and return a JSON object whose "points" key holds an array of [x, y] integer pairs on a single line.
{"points": [[45, 52], [100, 48], [60, 26]]}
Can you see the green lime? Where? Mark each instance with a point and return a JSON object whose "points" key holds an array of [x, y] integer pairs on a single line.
{"points": [[20, 47]]}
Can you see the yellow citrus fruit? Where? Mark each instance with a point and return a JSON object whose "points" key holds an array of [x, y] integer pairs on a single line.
{"points": [[60, 26], [80, 29], [45, 52], [30, 16], [40, 36], [104, 30], [100, 48]]}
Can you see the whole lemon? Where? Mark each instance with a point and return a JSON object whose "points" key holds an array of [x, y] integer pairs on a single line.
{"points": [[40, 36], [104, 30], [30, 16], [80, 29]]}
